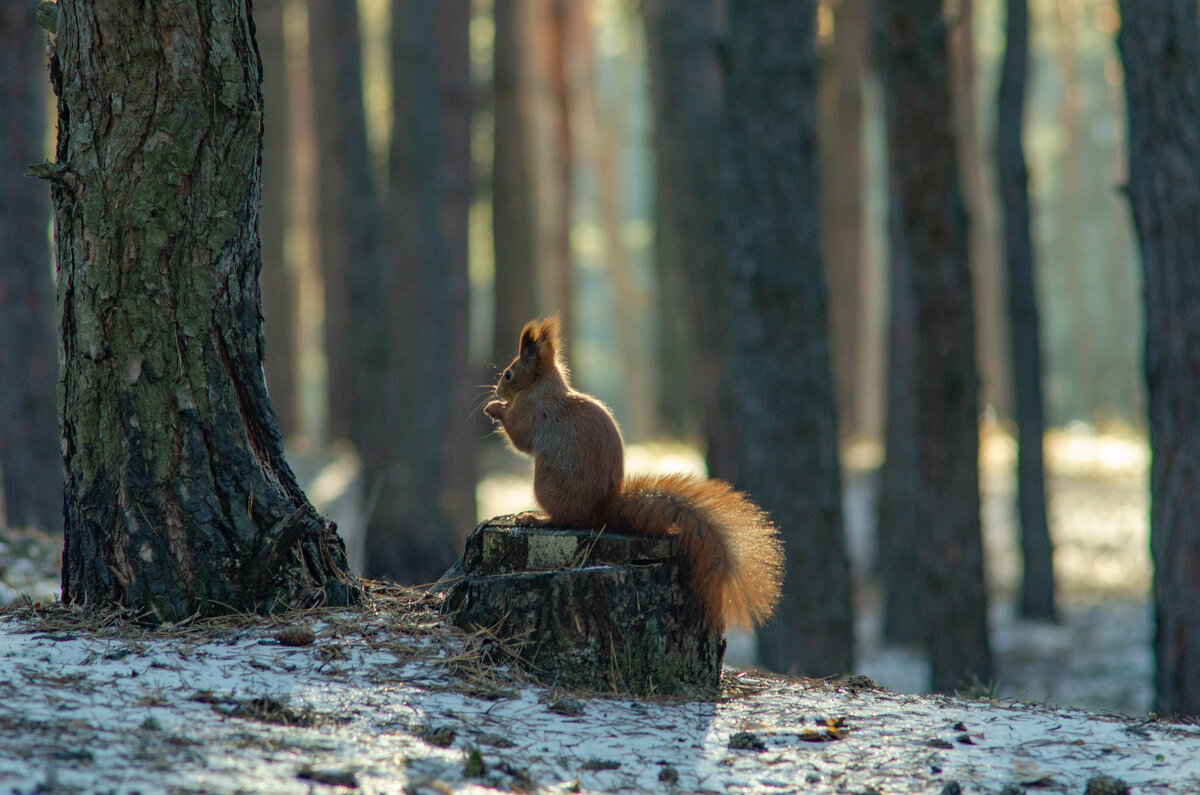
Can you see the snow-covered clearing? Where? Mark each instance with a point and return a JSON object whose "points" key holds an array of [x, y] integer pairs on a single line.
{"points": [[386, 699]]}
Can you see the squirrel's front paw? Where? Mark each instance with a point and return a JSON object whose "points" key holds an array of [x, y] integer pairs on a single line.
{"points": [[495, 409]]}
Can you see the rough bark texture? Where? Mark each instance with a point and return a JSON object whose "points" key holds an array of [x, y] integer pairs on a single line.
{"points": [[428, 494], [601, 612], [787, 445], [349, 226], [932, 223], [682, 38], [30, 462], [179, 501], [1037, 583], [1160, 47]]}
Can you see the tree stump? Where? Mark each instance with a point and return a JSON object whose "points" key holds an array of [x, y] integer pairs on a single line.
{"points": [[589, 610]]}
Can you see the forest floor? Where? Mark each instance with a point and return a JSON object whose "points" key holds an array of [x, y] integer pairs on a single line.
{"points": [[385, 698]]}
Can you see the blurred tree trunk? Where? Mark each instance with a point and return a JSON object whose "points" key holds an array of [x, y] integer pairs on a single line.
{"points": [[600, 120], [179, 500], [986, 273], [1081, 367], [898, 541], [559, 30], [1160, 49], [932, 223], [278, 286], [1037, 584], [682, 38], [842, 214], [514, 178], [427, 504], [31, 473], [536, 48], [787, 446], [349, 226]]}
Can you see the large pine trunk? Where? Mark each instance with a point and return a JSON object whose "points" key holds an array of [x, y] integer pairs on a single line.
{"points": [[179, 501], [31, 476], [930, 223], [1160, 48], [787, 434], [1037, 582]]}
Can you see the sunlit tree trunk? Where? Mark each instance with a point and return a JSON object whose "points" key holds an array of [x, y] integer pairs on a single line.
{"points": [[1037, 582], [930, 221], [559, 30], [30, 461], [787, 434], [179, 501], [1160, 48], [427, 502], [515, 220], [842, 214]]}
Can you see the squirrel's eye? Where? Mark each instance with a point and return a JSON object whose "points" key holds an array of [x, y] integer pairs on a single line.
{"points": [[508, 375]]}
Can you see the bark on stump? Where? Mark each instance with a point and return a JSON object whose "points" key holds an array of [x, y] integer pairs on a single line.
{"points": [[596, 611]]}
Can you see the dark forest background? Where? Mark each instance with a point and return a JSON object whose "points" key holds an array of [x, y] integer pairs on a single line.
{"points": [[810, 242]]}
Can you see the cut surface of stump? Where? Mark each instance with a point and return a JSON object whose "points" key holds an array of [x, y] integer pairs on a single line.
{"points": [[589, 610]]}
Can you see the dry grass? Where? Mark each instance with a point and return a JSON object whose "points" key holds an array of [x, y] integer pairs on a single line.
{"points": [[405, 622]]}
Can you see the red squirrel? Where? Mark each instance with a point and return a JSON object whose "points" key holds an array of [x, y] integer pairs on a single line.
{"points": [[733, 549]]}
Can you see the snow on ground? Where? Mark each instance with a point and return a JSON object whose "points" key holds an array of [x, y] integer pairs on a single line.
{"points": [[385, 700]]}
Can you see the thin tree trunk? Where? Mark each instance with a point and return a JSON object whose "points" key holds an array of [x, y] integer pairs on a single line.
{"points": [[427, 504], [1037, 583], [787, 446], [515, 220], [932, 218], [842, 213], [1160, 48], [1080, 368], [278, 285], [179, 500], [682, 38], [349, 223], [986, 273], [599, 130], [899, 541], [31, 475], [560, 28]]}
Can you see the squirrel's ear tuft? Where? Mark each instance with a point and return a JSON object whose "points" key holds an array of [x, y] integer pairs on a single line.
{"points": [[529, 340], [548, 334]]}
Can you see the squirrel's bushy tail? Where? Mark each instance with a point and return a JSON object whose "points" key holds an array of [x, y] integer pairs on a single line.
{"points": [[733, 547]]}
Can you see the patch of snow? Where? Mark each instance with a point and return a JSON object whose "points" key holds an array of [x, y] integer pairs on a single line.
{"points": [[163, 713]]}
